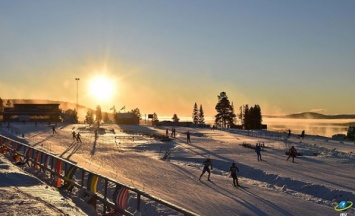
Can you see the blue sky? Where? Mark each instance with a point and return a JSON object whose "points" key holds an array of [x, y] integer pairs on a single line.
{"points": [[163, 56]]}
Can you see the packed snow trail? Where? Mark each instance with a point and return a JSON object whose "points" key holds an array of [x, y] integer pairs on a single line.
{"points": [[265, 184]]}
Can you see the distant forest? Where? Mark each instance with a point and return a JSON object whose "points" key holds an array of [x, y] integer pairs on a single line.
{"points": [[313, 115]]}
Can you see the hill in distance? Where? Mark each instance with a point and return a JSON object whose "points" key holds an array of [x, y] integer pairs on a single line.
{"points": [[313, 115]]}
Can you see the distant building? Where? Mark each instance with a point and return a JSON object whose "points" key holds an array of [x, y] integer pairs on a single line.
{"points": [[127, 118], [32, 112]]}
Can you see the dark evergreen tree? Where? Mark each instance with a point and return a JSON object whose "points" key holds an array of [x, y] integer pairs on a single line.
{"points": [[201, 117], [233, 114], [195, 116], [224, 110], [240, 115], [1, 104], [252, 118], [72, 114], [137, 112], [89, 118], [8, 103], [175, 118], [105, 118], [256, 117], [246, 117], [155, 119]]}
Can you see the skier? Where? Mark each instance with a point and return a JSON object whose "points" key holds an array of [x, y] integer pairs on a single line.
{"points": [[292, 153], [302, 134], [188, 137], [233, 172], [206, 167], [167, 132], [74, 135], [258, 151], [95, 134], [78, 137], [289, 133], [53, 129]]}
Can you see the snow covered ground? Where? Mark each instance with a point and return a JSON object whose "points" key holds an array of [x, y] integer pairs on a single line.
{"points": [[313, 185], [24, 194]]}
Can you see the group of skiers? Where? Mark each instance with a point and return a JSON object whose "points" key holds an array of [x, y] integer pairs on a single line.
{"points": [[173, 132], [233, 170], [76, 136]]}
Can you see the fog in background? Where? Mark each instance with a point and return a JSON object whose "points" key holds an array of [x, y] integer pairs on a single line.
{"points": [[320, 127]]}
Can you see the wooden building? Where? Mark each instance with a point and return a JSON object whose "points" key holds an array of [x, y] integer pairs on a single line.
{"points": [[32, 112], [127, 118]]}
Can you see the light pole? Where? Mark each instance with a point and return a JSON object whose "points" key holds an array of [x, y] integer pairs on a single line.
{"points": [[77, 94]]}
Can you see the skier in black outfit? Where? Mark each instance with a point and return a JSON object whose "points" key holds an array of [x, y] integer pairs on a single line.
{"points": [[258, 151], [188, 140], [233, 172], [206, 167], [53, 129], [78, 137], [292, 153]]}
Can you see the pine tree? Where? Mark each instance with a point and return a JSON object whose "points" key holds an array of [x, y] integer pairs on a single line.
{"points": [[137, 113], [98, 115], [201, 117], [234, 115], [252, 118], [8, 103], [105, 118], [195, 115], [72, 114], [246, 121], [1, 104], [240, 115], [155, 118], [175, 118], [224, 110], [89, 118]]}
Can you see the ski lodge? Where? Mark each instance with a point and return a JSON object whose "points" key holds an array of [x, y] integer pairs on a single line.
{"points": [[32, 112]]}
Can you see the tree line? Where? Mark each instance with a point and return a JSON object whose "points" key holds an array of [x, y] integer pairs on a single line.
{"points": [[250, 116]]}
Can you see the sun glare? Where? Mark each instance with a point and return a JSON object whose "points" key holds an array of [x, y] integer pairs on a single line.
{"points": [[102, 88]]}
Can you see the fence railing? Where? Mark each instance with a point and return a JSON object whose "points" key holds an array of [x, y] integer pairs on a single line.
{"points": [[67, 175]]}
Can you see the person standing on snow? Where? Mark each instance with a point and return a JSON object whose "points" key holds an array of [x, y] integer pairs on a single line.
{"points": [[258, 151], [78, 139], [188, 140], [292, 153], [233, 173], [53, 129], [74, 135], [206, 168]]}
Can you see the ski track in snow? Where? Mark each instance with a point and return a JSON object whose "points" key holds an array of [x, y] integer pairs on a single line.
{"points": [[270, 187]]}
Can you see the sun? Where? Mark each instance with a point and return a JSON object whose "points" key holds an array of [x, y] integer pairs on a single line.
{"points": [[102, 88]]}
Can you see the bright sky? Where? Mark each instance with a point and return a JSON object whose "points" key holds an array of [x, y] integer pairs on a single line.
{"points": [[163, 56]]}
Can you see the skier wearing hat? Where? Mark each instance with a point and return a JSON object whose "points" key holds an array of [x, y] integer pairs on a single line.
{"points": [[233, 173]]}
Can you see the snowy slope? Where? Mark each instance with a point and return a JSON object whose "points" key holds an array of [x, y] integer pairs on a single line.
{"points": [[24, 194], [312, 185]]}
